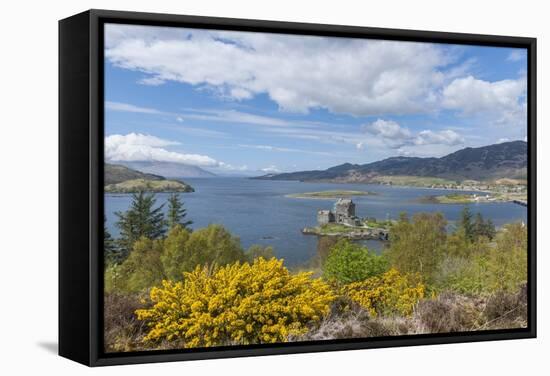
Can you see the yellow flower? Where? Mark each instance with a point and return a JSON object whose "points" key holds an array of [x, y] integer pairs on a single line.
{"points": [[388, 294], [236, 304]]}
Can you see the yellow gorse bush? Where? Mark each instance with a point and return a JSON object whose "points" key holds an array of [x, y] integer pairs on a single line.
{"points": [[236, 304], [388, 294]]}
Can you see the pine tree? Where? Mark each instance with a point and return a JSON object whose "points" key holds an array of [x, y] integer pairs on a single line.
{"points": [[466, 223], [110, 254], [478, 226], [176, 212], [489, 229], [483, 228], [141, 220]]}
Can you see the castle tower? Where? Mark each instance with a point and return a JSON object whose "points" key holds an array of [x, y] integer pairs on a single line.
{"points": [[344, 209]]}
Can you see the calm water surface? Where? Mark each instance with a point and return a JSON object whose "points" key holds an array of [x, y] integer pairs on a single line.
{"points": [[258, 212]]}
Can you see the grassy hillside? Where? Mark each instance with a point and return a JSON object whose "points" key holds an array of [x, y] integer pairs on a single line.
{"points": [[136, 185], [114, 174]]}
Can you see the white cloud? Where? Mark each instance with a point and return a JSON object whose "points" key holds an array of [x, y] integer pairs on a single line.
{"points": [[140, 147], [503, 139], [229, 116], [387, 129], [299, 73], [517, 55], [233, 116], [470, 95], [270, 169], [444, 137], [396, 136], [125, 107], [229, 167]]}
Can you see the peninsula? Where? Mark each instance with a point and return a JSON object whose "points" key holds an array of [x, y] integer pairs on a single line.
{"points": [[121, 179]]}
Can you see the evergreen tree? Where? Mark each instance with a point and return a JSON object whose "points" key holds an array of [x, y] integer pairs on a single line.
{"points": [[483, 228], [489, 229], [142, 219], [478, 226], [466, 223], [176, 212], [110, 254]]}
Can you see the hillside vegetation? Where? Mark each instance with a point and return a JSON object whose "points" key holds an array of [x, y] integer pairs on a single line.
{"points": [[136, 185], [114, 174], [121, 179], [168, 287]]}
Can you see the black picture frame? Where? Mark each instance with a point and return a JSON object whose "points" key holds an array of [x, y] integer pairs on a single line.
{"points": [[81, 185]]}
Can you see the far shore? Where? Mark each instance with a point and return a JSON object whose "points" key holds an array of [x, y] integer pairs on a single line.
{"points": [[329, 195]]}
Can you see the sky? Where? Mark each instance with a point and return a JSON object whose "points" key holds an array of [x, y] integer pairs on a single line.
{"points": [[243, 103]]}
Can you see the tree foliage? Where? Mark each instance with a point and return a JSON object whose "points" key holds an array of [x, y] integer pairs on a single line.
{"points": [[143, 267], [483, 228], [236, 304], [349, 262], [466, 224], [153, 260], [111, 253], [176, 212], [212, 245], [488, 269], [418, 245], [475, 227], [174, 254], [256, 251], [142, 219]]}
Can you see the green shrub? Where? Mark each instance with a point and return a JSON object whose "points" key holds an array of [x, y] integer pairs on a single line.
{"points": [[174, 254], [152, 261], [418, 246], [348, 262], [488, 269], [256, 251], [212, 245], [142, 268]]}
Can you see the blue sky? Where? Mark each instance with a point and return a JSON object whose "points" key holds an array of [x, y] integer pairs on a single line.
{"points": [[251, 103]]}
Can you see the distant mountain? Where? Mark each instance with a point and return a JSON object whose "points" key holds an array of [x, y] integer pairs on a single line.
{"points": [[170, 169], [505, 160], [115, 174]]}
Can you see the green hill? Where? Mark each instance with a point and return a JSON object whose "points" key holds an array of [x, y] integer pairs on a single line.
{"points": [[121, 179], [136, 185]]}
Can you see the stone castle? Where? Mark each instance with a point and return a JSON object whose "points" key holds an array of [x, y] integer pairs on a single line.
{"points": [[344, 213]]}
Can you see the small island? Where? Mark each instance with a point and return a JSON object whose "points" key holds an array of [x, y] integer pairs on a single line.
{"points": [[329, 195], [137, 185], [343, 223]]}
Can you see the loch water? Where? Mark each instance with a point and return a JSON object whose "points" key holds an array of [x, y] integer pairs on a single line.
{"points": [[258, 211]]}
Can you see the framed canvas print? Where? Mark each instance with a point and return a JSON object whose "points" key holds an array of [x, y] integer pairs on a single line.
{"points": [[236, 187]]}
